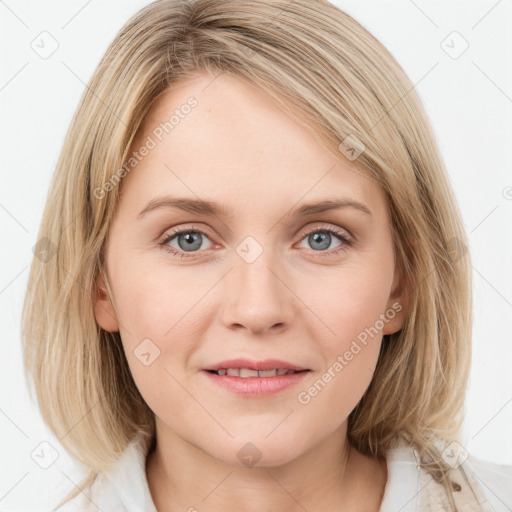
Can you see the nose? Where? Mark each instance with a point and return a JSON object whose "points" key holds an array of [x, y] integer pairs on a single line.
{"points": [[257, 297]]}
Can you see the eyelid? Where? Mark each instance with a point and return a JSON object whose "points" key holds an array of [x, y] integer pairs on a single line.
{"points": [[329, 227], [169, 232]]}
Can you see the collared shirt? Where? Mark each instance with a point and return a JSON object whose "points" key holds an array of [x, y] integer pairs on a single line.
{"points": [[409, 488]]}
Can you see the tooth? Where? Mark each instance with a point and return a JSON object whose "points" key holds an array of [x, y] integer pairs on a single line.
{"points": [[245, 372], [267, 373]]}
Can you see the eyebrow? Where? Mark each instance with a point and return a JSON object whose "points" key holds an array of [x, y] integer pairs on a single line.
{"points": [[210, 208]]}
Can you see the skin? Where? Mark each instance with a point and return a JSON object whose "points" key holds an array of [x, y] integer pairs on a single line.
{"points": [[295, 302]]}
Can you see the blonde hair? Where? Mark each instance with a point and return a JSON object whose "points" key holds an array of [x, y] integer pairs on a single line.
{"points": [[331, 75]]}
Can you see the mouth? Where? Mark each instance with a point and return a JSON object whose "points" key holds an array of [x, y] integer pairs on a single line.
{"points": [[248, 373], [255, 378], [250, 368]]}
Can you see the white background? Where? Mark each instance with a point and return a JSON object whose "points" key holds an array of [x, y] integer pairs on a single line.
{"points": [[469, 100]]}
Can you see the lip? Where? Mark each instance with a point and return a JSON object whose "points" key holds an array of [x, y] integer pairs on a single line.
{"points": [[267, 364], [256, 386]]}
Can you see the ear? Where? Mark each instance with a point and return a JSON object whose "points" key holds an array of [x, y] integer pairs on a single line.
{"points": [[104, 311], [397, 306]]}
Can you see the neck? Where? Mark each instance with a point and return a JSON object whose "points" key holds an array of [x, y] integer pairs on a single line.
{"points": [[181, 476]]}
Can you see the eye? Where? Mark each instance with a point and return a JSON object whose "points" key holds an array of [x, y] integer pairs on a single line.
{"points": [[188, 240], [320, 238]]}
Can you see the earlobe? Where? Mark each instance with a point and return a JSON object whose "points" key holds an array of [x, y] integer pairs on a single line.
{"points": [[104, 311]]}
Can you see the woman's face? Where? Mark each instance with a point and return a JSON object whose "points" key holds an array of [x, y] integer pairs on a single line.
{"points": [[253, 275]]}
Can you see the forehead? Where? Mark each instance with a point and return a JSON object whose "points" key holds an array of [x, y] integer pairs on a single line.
{"points": [[226, 138]]}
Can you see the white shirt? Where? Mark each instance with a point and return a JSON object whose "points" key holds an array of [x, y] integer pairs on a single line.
{"points": [[409, 488]]}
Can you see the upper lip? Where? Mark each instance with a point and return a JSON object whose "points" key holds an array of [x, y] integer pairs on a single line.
{"points": [[267, 364]]}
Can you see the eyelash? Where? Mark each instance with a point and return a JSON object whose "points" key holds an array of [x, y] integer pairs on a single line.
{"points": [[342, 237]]}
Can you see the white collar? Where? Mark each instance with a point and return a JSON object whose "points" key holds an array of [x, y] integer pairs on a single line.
{"points": [[402, 487], [125, 483]]}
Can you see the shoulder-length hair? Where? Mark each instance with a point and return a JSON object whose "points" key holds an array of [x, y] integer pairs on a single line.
{"points": [[332, 76]]}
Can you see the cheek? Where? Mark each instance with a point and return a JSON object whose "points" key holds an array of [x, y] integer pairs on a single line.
{"points": [[152, 302], [351, 308], [158, 312], [348, 303]]}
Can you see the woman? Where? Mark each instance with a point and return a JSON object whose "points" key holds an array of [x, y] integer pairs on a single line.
{"points": [[259, 294]]}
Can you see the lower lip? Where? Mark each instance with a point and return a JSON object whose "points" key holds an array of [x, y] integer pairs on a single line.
{"points": [[256, 386]]}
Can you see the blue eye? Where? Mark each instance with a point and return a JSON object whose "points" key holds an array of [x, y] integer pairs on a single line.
{"points": [[322, 238], [188, 241], [191, 240]]}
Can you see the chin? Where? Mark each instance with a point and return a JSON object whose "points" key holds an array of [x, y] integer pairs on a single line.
{"points": [[258, 449]]}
